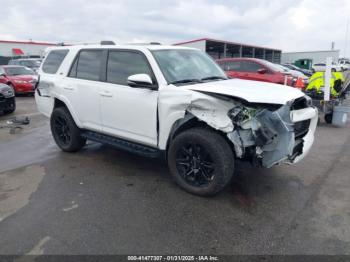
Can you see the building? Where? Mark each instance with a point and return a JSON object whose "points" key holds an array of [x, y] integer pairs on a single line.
{"points": [[225, 49], [315, 56], [10, 49]]}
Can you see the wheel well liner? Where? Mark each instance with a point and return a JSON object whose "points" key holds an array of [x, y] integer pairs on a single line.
{"points": [[59, 103], [191, 121]]}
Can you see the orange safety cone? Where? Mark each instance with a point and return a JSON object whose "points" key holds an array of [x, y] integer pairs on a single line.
{"points": [[299, 83]]}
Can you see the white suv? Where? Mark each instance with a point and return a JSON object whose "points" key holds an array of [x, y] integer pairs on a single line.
{"points": [[175, 102]]}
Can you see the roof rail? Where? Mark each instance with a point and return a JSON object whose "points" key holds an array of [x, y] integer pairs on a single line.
{"points": [[150, 43], [107, 42]]}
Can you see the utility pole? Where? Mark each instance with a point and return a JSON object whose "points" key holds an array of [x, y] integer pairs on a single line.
{"points": [[346, 37]]}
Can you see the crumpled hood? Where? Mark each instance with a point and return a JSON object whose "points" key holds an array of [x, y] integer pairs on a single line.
{"points": [[251, 91]]}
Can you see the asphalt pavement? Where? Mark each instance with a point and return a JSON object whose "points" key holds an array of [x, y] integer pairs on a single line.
{"points": [[105, 201]]}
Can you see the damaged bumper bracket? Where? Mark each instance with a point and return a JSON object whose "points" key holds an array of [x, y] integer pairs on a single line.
{"points": [[273, 135]]}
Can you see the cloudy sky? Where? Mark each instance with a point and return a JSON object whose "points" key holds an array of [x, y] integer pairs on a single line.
{"points": [[290, 25]]}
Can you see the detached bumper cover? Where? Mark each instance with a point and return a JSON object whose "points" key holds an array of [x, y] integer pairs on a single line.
{"points": [[7, 103], [281, 136], [307, 114]]}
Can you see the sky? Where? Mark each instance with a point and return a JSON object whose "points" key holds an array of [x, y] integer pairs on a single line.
{"points": [[290, 25]]}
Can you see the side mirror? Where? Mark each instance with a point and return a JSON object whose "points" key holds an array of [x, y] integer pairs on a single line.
{"points": [[140, 80], [2, 75], [262, 71]]}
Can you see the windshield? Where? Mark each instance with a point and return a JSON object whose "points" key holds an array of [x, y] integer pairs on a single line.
{"points": [[13, 71], [273, 66], [30, 63], [185, 66], [283, 68]]}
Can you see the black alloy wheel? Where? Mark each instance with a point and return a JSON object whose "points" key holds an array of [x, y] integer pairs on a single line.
{"points": [[62, 130], [195, 165]]}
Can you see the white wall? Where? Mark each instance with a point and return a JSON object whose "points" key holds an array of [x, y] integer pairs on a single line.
{"points": [[28, 49], [316, 56]]}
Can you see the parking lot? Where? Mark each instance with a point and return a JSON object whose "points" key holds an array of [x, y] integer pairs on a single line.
{"points": [[105, 201]]}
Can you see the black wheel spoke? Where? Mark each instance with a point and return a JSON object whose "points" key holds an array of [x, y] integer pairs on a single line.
{"points": [[195, 165], [62, 130]]}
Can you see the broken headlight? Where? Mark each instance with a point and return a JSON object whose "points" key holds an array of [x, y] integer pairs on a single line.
{"points": [[240, 114]]}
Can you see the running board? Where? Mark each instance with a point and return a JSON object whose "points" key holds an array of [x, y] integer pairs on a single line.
{"points": [[119, 143]]}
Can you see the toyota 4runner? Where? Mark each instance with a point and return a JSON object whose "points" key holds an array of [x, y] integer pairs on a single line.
{"points": [[174, 102]]}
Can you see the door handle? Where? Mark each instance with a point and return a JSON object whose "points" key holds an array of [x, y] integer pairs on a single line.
{"points": [[106, 94], [68, 87]]}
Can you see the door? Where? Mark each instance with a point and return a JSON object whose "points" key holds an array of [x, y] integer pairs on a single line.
{"points": [[128, 112], [82, 86], [233, 69]]}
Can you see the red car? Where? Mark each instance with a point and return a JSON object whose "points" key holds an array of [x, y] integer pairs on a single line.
{"points": [[20, 78], [255, 69]]}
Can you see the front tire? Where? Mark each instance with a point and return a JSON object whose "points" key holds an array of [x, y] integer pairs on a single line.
{"points": [[66, 133], [12, 109], [201, 161]]}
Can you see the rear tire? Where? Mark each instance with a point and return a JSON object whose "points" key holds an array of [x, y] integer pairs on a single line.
{"points": [[201, 161], [328, 118], [66, 133]]}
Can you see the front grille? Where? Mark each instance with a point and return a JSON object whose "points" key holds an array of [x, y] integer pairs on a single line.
{"points": [[301, 128], [298, 148], [300, 103]]}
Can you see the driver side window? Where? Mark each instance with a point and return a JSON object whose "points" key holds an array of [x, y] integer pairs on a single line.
{"points": [[122, 64]]}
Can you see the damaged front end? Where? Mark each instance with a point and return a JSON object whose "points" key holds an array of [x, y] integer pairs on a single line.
{"points": [[269, 135]]}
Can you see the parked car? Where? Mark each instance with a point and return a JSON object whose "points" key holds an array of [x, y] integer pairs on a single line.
{"points": [[294, 67], [21, 79], [32, 63], [7, 99], [321, 67], [255, 69], [296, 74], [174, 102], [344, 64]]}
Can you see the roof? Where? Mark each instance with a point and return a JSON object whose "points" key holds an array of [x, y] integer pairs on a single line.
{"points": [[132, 47], [26, 42], [321, 51], [223, 41], [240, 59]]}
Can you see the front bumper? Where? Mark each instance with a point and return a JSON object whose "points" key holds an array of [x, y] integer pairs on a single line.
{"points": [[306, 114], [24, 87], [273, 137], [7, 103]]}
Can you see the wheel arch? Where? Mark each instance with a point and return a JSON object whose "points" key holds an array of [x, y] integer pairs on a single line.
{"points": [[60, 102], [188, 122]]}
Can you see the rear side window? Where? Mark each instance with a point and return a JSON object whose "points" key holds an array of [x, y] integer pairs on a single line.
{"points": [[234, 66], [122, 64], [250, 66], [54, 60], [87, 65]]}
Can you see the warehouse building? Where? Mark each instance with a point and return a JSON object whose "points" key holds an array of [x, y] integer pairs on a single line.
{"points": [[14, 49], [225, 49], [314, 56]]}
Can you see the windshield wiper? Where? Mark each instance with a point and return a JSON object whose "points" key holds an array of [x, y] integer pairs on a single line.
{"points": [[214, 78], [184, 81]]}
